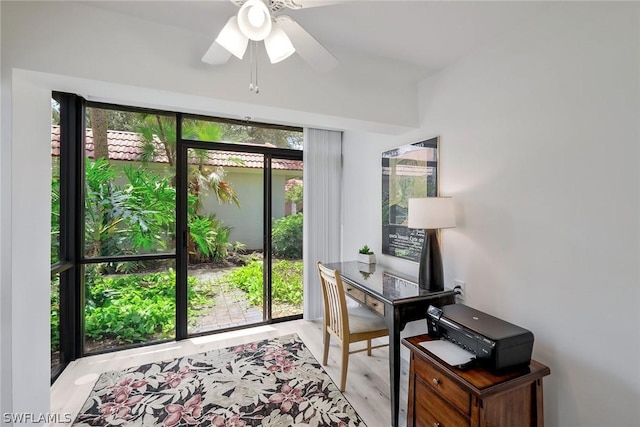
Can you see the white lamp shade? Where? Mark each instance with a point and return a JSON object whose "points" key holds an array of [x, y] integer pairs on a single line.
{"points": [[278, 44], [254, 20], [232, 39], [430, 213]]}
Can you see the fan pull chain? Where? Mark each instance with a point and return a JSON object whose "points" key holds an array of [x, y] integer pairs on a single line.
{"points": [[251, 66], [253, 73]]}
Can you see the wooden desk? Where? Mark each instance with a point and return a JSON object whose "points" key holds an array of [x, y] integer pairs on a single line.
{"points": [[398, 299], [441, 395]]}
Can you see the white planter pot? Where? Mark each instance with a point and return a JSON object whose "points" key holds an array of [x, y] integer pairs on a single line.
{"points": [[367, 259], [366, 268]]}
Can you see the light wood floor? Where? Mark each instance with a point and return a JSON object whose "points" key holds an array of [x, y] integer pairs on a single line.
{"points": [[367, 381]]}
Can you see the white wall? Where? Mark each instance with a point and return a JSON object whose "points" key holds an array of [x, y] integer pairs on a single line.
{"points": [[25, 262], [4, 376], [75, 49], [76, 39], [539, 148]]}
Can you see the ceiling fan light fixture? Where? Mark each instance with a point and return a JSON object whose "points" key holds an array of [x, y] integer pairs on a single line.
{"points": [[232, 39], [278, 44], [255, 16], [254, 20]]}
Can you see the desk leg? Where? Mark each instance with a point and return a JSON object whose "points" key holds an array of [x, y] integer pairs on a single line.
{"points": [[393, 324]]}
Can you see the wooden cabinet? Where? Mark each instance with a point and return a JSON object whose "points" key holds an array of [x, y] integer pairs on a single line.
{"points": [[443, 396]]}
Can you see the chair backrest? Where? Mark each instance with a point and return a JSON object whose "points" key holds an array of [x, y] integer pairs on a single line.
{"points": [[336, 318]]}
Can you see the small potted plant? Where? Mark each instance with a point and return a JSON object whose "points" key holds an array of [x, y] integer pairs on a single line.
{"points": [[366, 256]]}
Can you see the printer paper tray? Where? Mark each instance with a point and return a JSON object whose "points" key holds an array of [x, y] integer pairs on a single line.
{"points": [[449, 352]]}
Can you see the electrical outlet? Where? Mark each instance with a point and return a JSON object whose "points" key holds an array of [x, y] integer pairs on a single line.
{"points": [[461, 288]]}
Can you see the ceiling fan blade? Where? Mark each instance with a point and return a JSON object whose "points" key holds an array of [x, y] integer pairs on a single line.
{"points": [[306, 46], [216, 55], [305, 4]]}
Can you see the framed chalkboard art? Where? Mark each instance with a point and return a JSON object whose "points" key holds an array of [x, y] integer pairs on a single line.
{"points": [[407, 171]]}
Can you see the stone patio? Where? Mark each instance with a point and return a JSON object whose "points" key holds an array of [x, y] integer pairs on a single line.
{"points": [[231, 305], [231, 308]]}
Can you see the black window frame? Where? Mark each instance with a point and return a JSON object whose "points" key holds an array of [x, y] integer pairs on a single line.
{"points": [[72, 258]]}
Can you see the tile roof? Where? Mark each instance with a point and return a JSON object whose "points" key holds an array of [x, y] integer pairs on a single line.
{"points": [[127, 146]]}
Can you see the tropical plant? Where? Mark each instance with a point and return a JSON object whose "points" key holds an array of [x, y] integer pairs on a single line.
{"points": [[206, 178], [159, 134], [140, 215], [208, 239], [100, 198], [125, 219]]}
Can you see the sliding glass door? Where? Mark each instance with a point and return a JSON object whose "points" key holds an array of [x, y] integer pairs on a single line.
{"points": [[225, 239], [166, 225], [243, 214], [286, 237]]}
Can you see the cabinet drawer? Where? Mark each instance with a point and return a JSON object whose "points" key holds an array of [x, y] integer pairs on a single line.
{"points": [[374, 304], [443, 385], [432, 411], [357, 294]]}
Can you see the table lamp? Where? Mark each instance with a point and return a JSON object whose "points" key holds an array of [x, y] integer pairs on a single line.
{"points": [[431, 214]]}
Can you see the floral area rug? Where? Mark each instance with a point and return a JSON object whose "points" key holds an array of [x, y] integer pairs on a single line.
{"points": [[274, 382]]}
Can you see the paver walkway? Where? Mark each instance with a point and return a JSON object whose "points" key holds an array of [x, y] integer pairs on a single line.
{"points": [[231, 305]]}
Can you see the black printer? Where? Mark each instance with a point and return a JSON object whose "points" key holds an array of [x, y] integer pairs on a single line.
{"points": [[498, 345]]}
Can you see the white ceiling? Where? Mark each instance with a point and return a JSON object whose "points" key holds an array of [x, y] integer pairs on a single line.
{"points": [[428, 35]]}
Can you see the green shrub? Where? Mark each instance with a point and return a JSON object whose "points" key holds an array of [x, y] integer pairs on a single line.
{"points": [[134, 308], [287, 237], [249, 279], [286, 281], [55, 313]]}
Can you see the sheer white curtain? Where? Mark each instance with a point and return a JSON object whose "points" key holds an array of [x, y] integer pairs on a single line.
{"points": [[322, 210]]}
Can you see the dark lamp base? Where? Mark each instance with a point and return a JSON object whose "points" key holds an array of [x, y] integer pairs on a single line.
{"points": [[431, 277]]}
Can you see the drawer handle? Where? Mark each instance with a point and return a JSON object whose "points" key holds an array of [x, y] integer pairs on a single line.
{"points": [[374, 304], [436, 381], [349, 289]]}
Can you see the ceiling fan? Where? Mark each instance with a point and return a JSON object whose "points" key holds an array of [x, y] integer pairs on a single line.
{"points": [[259, 20]]}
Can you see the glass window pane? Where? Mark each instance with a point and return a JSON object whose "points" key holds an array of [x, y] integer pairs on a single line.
{"points": [[286, 284], [225, 221], [55, 181], [214, 131], [55, 323], [129, 183], [128, 303]]}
